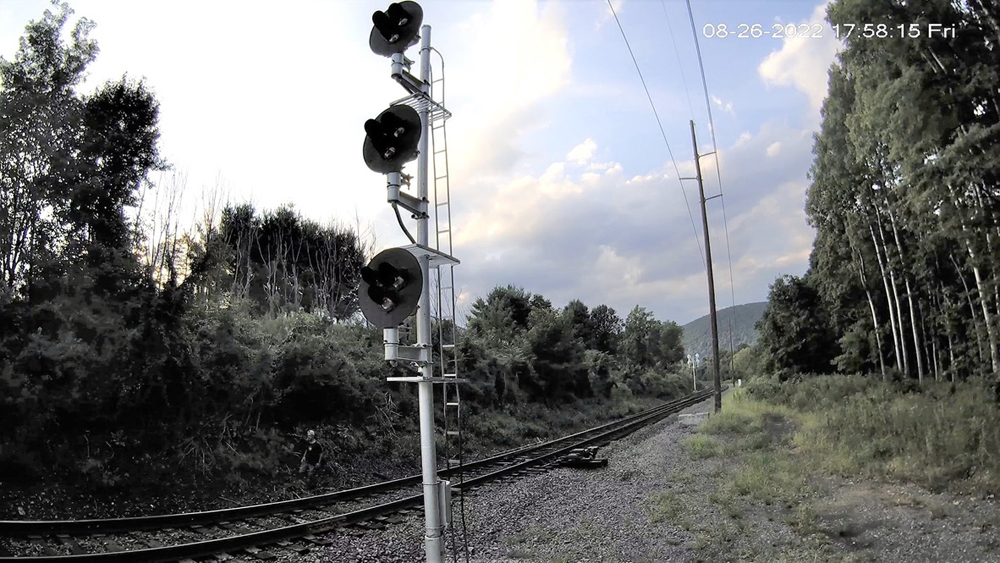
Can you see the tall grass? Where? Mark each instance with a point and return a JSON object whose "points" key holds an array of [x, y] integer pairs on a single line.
{"points": [[938, 436]]}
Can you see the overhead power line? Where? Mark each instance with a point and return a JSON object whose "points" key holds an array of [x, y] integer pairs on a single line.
{"points": [[662, 133], [715, 149], [677, 53]]}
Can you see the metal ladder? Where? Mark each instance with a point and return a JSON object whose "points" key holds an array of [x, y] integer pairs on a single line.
{"points": [[444, 310]]}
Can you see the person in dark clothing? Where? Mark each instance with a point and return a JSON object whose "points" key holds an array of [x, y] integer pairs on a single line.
{"points": [[311, 456]]}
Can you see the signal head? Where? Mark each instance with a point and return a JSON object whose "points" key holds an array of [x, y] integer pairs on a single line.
{"points": [[391, 139], [396, 29], [392, 283]]}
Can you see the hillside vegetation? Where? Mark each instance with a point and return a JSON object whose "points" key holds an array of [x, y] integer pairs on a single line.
{"points": [[739, 321]]}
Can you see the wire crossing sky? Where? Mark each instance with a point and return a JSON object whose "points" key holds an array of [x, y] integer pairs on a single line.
{"points": [[559, 184]]}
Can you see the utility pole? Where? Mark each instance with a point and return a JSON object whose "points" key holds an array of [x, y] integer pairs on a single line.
{"points": [[711, 278]]}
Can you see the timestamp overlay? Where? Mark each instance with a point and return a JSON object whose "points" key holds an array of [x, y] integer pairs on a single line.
{"points": [[747, 30]]}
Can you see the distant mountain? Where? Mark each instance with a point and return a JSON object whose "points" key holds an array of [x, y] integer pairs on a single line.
{"points": [[698, 334]]}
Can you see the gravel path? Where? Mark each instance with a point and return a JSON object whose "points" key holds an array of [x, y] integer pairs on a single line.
{"points": [[561, 515]]}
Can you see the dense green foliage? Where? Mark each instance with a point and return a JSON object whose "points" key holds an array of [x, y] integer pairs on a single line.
{"points": [[904, 200], [129, 359]]}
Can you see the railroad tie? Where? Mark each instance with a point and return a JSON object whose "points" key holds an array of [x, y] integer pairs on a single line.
{"points": [[315, 540], [299, 548], [260, 554]]}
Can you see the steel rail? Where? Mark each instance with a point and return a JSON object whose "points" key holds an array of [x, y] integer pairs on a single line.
{"points": [[240, 542], [15, 528]]}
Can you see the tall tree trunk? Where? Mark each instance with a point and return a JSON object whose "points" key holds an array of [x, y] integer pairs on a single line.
{"points": [[983, 298], [878, 336], [888, 297], [930, 350], [951, 356], [871, 306], [894, 298], [917, 348], [972, 312]]}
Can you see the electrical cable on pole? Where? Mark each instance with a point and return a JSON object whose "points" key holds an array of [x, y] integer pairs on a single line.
{"points": [[677, 53], [660, 125]]}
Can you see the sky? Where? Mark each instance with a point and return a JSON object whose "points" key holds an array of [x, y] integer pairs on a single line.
{"points": [[561, 180]]}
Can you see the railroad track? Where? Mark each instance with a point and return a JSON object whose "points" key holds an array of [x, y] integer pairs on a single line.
{"points": [[293, 525]]}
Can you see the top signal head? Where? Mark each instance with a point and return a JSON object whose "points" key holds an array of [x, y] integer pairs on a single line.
{"points": [[396, 28]]}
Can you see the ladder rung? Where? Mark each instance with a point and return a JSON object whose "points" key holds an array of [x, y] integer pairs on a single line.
{"points": [[447, 346], [451, 404], [453, 375], [454, 462], [452, 432]]}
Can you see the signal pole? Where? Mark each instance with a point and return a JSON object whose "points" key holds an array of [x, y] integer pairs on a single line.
{"points": [[396, 283], [433, 543], [711, 278]]}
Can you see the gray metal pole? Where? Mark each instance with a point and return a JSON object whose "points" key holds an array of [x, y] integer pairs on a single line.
{"points": [[711, 278], [434, 544]]}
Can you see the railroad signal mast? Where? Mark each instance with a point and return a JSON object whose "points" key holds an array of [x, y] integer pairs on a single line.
{"points": [[396, 283]]}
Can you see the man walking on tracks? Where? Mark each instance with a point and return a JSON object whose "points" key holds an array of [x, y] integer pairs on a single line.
{"points": [[311, 457]]}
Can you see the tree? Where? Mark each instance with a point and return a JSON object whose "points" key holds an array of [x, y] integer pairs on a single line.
{"points": [[669, 348], [503, 314], [579, 319], [607, 329], [794, 329], [40, 119], [639, 338], [904, 190], [558, 360]]}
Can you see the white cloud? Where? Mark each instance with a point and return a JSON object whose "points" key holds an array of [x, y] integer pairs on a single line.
{"points": [[583, 152], [773, 148], [624, 239], [803, 62], [500, 83], [607, 15], [726, 107]]}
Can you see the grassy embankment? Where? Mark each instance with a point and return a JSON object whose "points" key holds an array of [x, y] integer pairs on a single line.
{"points": [[776, 452]]}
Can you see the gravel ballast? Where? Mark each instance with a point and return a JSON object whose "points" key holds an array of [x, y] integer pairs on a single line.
{"points": [[562, 514], [611, 514]]}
